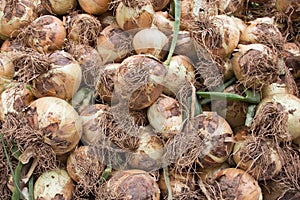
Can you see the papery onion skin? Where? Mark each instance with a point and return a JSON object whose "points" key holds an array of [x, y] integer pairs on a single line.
{"points": [[58, 121], [135, 18], [159, 4], [7, 68], [15, 16], [163, 22], [62, 80], [95, 7], [53, 185], [53, 31], [133, 184], [59, 7]]}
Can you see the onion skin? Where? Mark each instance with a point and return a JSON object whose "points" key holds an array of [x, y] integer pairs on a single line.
{"points": [[135, 18], [62, 80], [159, 4], [15, 16], [59, 7], [7, 68], [55, 184], [133, 184], [58, 121], [95, 7], [163, 22], [238, 184], [53, 31]]}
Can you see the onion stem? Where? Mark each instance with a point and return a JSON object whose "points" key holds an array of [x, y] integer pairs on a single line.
{"points": [[250, 115], [16, 176], [105, 174], [167, 181], [176, 31], [251, 97], [30, 188]]}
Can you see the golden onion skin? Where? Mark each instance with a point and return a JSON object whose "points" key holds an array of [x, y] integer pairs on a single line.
{"points": [[95, 7]]}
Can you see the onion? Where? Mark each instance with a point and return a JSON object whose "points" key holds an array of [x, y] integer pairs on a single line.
{"points": [[7, 68], [83, 29], [15, 99], [53, 31], [133, 184], [114, 44], [58, 121], [15, 15], [84, 167], [185, 45], [11, 45], [163, 22], [234, 112], [259, 158], [151, 41], [107, 19], [96, 7], [59, 7], [264, 31], [236, 184], [291, 55], [255, 65], [62, 80], [159, 4], [182, 70], [290, 104], [138, 81], [209, 173], [148, 156], [54, 184], [139, 14], [165, 116], [105, 82], [182, 184]]}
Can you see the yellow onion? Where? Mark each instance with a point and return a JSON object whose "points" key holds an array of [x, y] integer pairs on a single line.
{"points": [[262, 30], [159, 4], [290, 8], [185, 46], [133, 184], [151, 41], [53, 31], [136, 16], [83, 164], [165, 116], [59, 7], [138, 81], [148, 155], [163, 22], [96, 7], [10, 45], [107, 19], [83, 29], [15, 15], [242, 185], [291, 104], [54, 184], [114, 44], [62, 80], [228, 69], [182, 70], [291, 55], [255, 65], [105, 82], [234, 112], [181, 183], [58, 121], [259, 158], [209, 173], [15, 99], [7, 68]]}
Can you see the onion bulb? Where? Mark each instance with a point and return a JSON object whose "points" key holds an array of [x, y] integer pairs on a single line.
{"points": [[54, 184], [138, 81], [165, 116], [95, 7], [62, 80], [105, 82], [237, 184], [114, 44], [84, 167], [59, 7], [259, 158], [137, 15], [290, 104], [185, 46], [10, 45], [255, 66], [133, 184], [15, 15], [163, 22], [58, 121], [7, 68], [148, 155], [83, 29], [159, 4], [52, 31], [151, 41]]}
